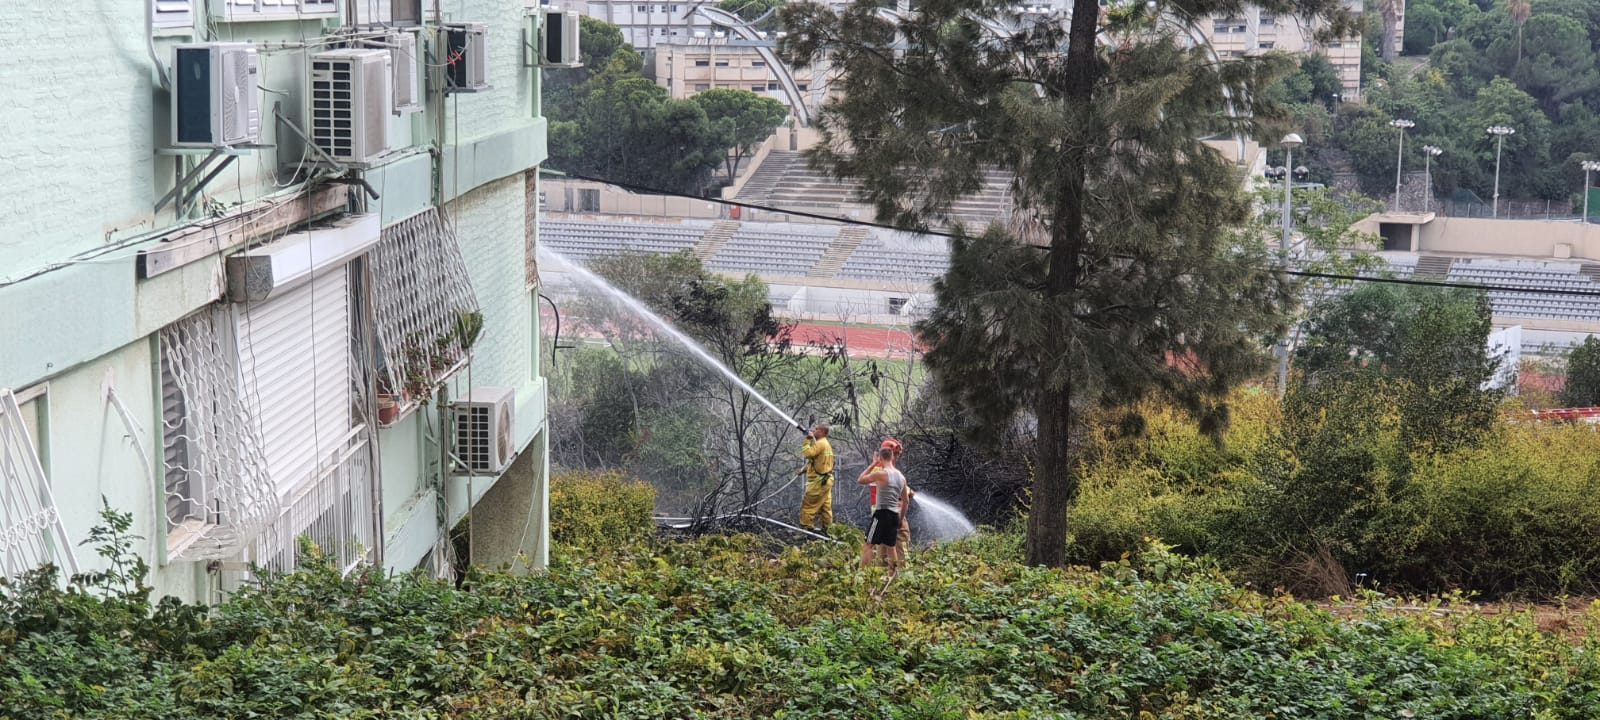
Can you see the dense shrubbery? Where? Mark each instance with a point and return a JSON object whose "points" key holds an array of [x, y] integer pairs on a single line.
{"points": [[1326, 488], [599, 511], [719, 628]]}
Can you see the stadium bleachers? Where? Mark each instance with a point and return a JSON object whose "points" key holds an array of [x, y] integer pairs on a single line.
{"points": [[783, 250], [582, 240], [1535, 275], [890, 255]]}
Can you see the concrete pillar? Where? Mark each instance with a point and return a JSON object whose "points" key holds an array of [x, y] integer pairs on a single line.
{"points": [[511, 524], [1416, 236]]}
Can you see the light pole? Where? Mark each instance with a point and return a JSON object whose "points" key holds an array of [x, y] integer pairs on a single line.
{"points": [[1499, 132], [1429, 152], [1289, 143], [1588, 167], [1400, 156]]}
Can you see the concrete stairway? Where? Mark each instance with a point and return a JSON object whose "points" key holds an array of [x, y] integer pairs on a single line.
{"points": [[1436, 266], [840, 250], [715, 238], [1591, 271], [758, 189]]}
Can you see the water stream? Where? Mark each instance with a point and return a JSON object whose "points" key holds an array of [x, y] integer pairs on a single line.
{"points": [[638, 307], [937, 518]]}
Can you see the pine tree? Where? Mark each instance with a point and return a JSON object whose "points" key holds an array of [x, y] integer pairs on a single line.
{"points": [[1121, 272]]}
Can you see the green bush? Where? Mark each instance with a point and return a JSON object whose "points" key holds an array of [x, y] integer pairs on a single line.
{"points": [[1518, 516], [598, 511], [1311, 496], [1170, 482]]}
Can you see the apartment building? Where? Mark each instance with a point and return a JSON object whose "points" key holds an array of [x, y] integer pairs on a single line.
{"points": [[267, 274], [1256, 31], [685, 68]]}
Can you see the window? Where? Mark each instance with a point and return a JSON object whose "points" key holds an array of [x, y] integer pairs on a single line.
{"points": [[801, 87], [218, 491], [642, 8], [758, 63], [897, 305], [1235, 53], [758, 88], [420, 295], [30, 528], [589, 200], [173, 14], [1268, 20], [253, 10], [722, 63], [702, 63], [1266, 45], [403, 13], [772, 86], [701, 87]]}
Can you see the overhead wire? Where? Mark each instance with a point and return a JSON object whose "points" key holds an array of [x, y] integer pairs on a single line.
{"points": [[938, 233]]}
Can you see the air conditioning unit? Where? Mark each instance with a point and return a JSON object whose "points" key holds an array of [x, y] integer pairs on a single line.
{"points": [[484, 443], [216, 99], [558, 39], [407, 72], [466, 57], [350, 103]]}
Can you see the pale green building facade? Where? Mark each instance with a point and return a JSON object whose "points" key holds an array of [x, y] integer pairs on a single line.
{"points": [[247, 342]]}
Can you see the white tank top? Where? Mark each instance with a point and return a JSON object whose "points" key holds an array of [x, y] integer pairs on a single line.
{"points": [[889, 494]]}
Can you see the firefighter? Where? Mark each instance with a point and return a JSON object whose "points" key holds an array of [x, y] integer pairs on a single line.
{"points": [[818, 500]]}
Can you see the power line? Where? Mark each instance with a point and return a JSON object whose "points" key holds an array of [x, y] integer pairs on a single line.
{"points": [[938, 233]]}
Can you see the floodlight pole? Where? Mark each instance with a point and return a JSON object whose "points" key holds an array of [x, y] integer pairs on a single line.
{"points": [[1289, 142], [1429, 152], [1400, 156], [1499, 132]]}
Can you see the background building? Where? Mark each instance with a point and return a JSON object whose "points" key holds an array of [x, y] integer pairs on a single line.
{"points": [[243, 337]]}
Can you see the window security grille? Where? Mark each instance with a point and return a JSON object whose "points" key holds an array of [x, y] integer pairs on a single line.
{"points": [[30, 527], [219, 495], [335, 513], [422, 296]]}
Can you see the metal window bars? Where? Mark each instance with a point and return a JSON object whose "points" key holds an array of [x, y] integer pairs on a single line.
{"points": [[335, 513], [31, 533], [219, 494], [427, 315]]}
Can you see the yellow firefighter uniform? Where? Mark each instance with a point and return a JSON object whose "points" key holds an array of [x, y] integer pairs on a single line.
{"points": [[818, 501]]}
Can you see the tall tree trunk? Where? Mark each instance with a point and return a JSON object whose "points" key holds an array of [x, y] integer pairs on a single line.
{"points": [[1054, 481]]}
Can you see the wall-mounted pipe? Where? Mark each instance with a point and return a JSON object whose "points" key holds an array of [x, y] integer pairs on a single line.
{"points": [[150, 42]]}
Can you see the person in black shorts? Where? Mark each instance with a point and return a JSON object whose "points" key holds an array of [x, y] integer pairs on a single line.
{"points": [[890, 485]]}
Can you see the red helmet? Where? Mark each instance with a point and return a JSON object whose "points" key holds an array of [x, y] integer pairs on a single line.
{"points": [[892, 444]]}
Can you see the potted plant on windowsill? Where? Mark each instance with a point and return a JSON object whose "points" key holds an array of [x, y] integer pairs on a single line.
{"points": [[388, 409]]}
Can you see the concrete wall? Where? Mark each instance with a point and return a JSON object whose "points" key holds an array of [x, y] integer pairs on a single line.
{"points": [[1532, 238]]}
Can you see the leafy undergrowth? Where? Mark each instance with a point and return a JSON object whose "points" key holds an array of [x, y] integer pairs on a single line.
{"points": [[719, 628]]}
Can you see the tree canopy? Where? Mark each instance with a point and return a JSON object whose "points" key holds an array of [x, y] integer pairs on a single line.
{"points": [[607, 120], [1121, 272]]}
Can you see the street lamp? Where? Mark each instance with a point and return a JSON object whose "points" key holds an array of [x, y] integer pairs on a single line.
{"points": [[1429, 152], [1499, 132], [1289, 143], [1588, 166], [1400, 156]]}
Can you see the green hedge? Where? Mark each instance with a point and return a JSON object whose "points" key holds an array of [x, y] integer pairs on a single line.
{"points": [[598, 511], [718, 628]]}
